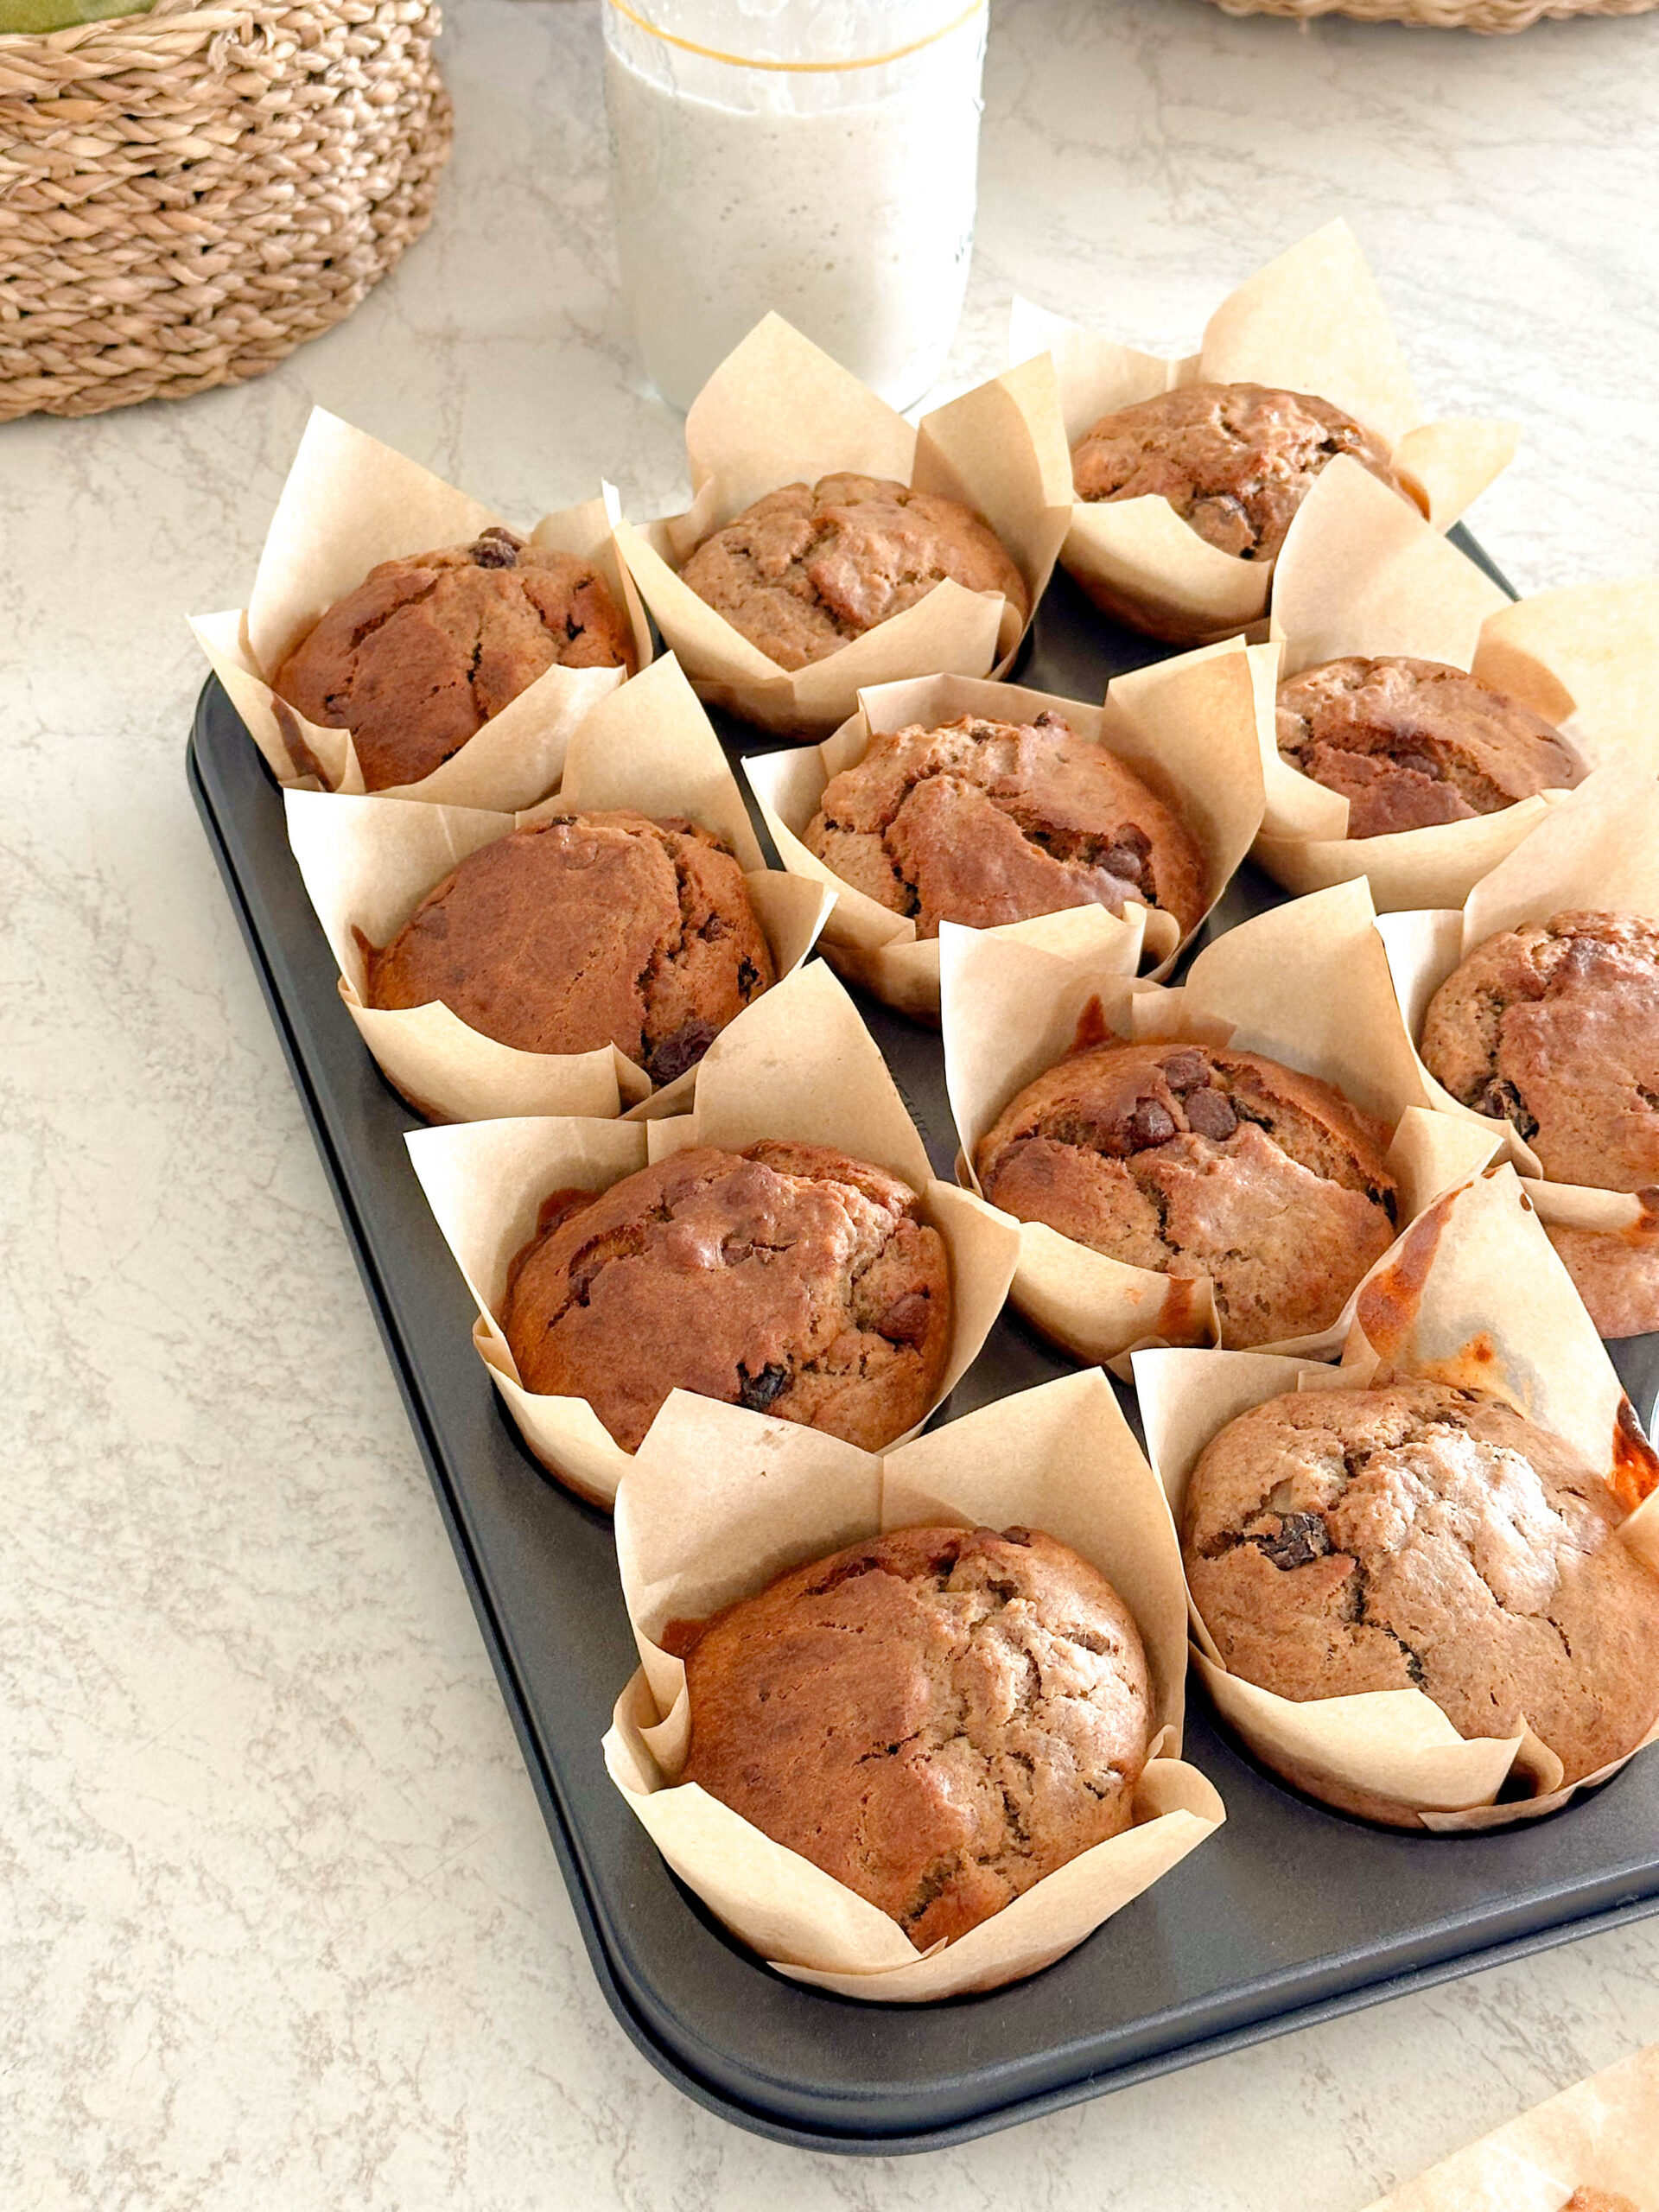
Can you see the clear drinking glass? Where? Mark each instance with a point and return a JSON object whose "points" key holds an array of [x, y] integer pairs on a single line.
{"points": [[814, 156]]}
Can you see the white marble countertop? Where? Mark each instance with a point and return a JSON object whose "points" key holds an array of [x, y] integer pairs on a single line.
{"points": [[287, 1930]]}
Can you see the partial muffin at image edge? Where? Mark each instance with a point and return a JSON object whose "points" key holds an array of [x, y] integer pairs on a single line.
{"points": [[1234, 461], [938, 1717], [1554, 1027], [809, 568], [986, 822], [608, 928], [787, 1278], [1422, 1536], [1413, 743], [431, 645], [1195, 1160]]}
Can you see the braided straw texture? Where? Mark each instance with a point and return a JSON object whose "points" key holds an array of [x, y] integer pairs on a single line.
{"points": [[1439, 15], [187, 196]]}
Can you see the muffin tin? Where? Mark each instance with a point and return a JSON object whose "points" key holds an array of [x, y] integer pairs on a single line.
{"points": [[1290, 1915]]}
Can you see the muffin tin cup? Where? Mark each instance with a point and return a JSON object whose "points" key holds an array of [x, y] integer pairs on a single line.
{"points": [[350, 503], [777, 411], [1305, 983], [799, 1064], [717, 1505], [1478, 1255], [368, 862], [1360, 575], [1597, 849], [1187, 728], [1310, 321]]}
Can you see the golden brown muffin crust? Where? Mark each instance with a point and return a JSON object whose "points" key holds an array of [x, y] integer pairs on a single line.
{"points": [[983, 823], [429, 647], [1410, 743], [1195, 1160], [787, 1278], [813, 565], [1421, 1536], [937, 1717], [1234, 461], [594, 929]]}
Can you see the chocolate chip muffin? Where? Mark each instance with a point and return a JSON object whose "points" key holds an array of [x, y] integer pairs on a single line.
{"points": [[983, 823], [787, 1278], [1419, 1536], [1195, 1161], [429, 647], [1234, 461], [810, 566], [596, 928], [1412, 742], [937, 1717]]}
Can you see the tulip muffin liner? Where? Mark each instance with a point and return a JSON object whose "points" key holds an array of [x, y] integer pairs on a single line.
{"points": [[1187, 728], [800, 1065], [1306, 983], [1475, 1297], [777, 411], [1361, 574], [1597, 848], [368, 862], [350, 503], [767, 1497], [1310, 321]]}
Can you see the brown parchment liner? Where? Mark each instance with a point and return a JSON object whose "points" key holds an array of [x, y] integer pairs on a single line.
{"points": [[1306, 983], [800, 1064], [1472, 1295], [1597, 849], [368, 862], [1601, 2134], [1186, 727], [769, 1496], [1310, 321], [1360, 574], [348, 504], [778, 411]]}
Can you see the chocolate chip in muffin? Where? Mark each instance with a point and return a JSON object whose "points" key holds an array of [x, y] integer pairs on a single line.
{"points": [[1410, 743], [984, 822], [1196, 1161], [811, 566], [1234, 461]]}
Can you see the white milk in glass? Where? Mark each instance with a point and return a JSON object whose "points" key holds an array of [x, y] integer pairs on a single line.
{"points": [[803, 162]]}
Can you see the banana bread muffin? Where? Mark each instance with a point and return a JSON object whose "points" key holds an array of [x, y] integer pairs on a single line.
{"points": [[1234, 461], [1419, 1536], [813, 565], [983, 823], [787, 1278], [1412, 742], [419, 657], [597, 929], [937, 1717], [1194, 1161]]}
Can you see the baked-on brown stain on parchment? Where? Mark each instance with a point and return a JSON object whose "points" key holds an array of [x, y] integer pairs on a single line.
{"points": [[1636, 1464], [1390, 1302], [1179, 1323], [1092, 1028]]}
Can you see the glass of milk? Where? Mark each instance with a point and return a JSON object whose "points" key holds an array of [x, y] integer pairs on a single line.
{"points": [[814, 156]]}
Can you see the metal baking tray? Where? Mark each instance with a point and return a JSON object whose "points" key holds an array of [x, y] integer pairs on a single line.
{"points": [[1290, 1915]]}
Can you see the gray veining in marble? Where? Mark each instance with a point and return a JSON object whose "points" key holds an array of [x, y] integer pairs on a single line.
{"points": [[282, 1928]]}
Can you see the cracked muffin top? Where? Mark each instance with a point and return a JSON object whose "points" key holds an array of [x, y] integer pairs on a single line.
{"points": [[592, 929], [1234, 461], [1421, 1536], [1410, 743], [429, 647], [937, 1718], [810, 566], [983, 823], [1199, 1160], [787, 1278]]}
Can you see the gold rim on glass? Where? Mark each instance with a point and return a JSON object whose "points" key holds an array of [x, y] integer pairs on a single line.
{"points": [[797, 68]]}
